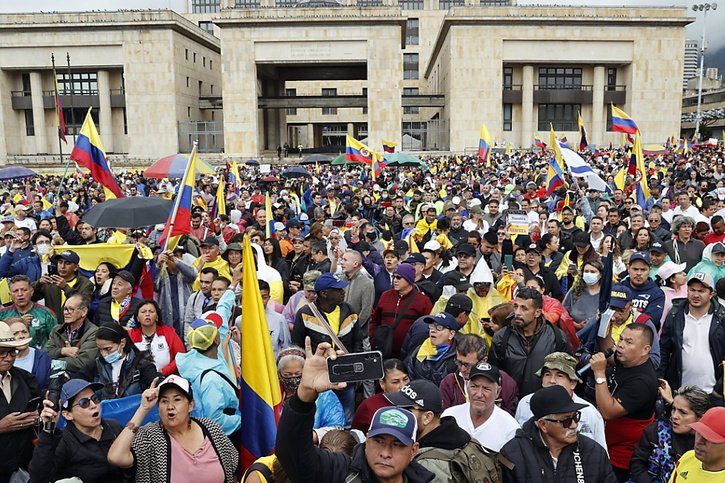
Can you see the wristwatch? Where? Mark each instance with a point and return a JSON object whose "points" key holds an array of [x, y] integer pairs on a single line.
{"points": [[600, 380]]}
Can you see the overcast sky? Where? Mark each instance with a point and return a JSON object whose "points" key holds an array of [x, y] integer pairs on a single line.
{"points": [[716, 38]]}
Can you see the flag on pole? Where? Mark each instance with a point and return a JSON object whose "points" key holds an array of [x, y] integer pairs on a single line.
{"points": [[220, 205], [583, 142], [554, 178], [388, 146], [640, 175], [620, 178], [484, 145], [179, 222], [581, 169], [357, 152], [555, 146], [269, 226], [234, 176], [89, 153], [62, 131], [508, 150], [621, 122], [261, 397], [539, 143]]}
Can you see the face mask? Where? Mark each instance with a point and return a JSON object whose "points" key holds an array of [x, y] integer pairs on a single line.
{"points": [[290, 384], [372, 236], [111, 358], [590, 278], [42, 249]]}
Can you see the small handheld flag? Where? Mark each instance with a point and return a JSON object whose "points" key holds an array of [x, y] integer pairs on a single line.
{"points": [[583, 143], [484, 145]]}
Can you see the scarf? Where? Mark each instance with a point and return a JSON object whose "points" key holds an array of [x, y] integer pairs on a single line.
{"points": [[430, 352]]}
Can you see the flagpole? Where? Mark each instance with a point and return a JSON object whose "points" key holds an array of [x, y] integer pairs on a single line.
{"points": [[177, 201], [60, 145], [72, 114]]}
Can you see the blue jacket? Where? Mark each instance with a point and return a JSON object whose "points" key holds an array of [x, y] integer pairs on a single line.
{"points": [[328, 411], [41, 368], [28, 265], [648, 299]]}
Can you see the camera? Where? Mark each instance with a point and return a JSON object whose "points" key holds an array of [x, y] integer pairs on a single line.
{"points": [[53, 267], [58, 377]]}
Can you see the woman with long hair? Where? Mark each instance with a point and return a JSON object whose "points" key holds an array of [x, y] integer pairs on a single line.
{"points": [[152, 337], [642, 240], [582, 300], [611, 245], [102, 279], [668, 438], [273, 257], [549, 245]]}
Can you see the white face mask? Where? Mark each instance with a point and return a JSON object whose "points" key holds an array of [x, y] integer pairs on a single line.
{"points": [[42, 249], [590, 278]]}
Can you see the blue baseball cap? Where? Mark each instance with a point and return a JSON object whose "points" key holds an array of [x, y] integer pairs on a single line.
{"points": [[620, 296], [328, 280], [643, 256], [396, 422], [73, 387], [415, 258], [445, 319]]}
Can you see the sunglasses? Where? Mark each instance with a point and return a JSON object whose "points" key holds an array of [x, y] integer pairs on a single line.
{"points": [[397, 277], [566, 422], [85, 402]]}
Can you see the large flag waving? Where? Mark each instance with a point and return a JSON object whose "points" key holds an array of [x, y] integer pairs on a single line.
{"points": [[621, 122], [261, 400], [89, 153], [581, 169], [641, 189], [179, 222], [59, 110], [357, 152], [484, 145]]}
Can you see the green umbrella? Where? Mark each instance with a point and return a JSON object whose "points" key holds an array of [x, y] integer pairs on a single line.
{"points": [[404, 159]]}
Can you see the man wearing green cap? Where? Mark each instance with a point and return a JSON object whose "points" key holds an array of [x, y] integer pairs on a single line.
{"points": [[559, 369]]}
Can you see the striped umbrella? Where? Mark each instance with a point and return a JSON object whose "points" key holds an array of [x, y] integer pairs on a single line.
{"points": [[174, 166]]}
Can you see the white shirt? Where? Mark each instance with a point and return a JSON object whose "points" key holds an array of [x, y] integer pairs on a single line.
{"points": [[692, 211], [28, 223], [591, 424], [158, 347], [498, 430], [596, 242], [697, 368]]}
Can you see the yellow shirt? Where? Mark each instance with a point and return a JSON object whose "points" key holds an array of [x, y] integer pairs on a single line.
{"points": [[221, 266], [616, 332], [333, 318], [689, 469]]}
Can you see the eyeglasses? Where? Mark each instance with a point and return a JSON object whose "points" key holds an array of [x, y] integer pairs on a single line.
{"points": [[70, 310], [85, 402], [397, 277], [466, 365], [408, 224], [9, 352], [566, 422]]}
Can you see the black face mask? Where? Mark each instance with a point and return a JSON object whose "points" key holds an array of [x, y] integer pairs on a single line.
{"points": [[372, 236], [290, 384]]}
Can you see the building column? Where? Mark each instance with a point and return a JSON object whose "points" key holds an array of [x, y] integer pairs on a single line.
{"points": [[385, 80], [599, 117], [105, 118], [351, 129], [36, 93], [527, 106], [310, 136]]}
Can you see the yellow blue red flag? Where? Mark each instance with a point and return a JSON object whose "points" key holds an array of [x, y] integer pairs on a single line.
{"points": [[621, 122], [484, 145], [261, 398], [89, 152]]}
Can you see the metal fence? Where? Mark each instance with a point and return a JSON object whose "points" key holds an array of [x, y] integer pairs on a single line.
{"points": [[210, 135]]}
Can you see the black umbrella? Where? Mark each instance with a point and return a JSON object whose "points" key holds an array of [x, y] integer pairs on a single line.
{"points": [[132, 212], [295, 172], [316, 158], [252, 162], [16, 172]]}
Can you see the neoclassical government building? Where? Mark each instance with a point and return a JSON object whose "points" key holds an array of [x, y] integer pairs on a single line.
{"points": [[246, 76]]}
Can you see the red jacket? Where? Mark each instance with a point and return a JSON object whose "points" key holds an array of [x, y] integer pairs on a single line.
{"points": [[389, 305], [172, 339]]}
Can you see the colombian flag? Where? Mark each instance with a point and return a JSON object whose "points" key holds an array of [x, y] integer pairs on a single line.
{"points": [[539, 143], [89, 152], [234, 176], [269, 231], [220, 204], [388, 146], [640, 174], [583, 143], [621, 122], [179, 222], [357, 152], [555, 177], [59, 111], [261, 399], [484, 145]]}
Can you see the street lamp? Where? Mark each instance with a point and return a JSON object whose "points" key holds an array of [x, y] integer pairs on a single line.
{"points": [[701, 7]]}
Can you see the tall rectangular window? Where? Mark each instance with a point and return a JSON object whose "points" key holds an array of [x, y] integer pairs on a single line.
{"points": [[205, 6], [410, 4], [207, 27], [365, 93], [562, 116], [410, 66], [612, 78], [411, 31], [247, 4], [508, 78], [560, 78], [446, 4], [26, 84], [508, 117], [29, 123], [291, 111], [411, 91], [329, 92]]}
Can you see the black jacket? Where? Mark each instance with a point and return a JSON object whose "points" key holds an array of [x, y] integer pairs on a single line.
{"points": [[72, 453], [532, 462], [304, 463], [16, 447], [349, 332], [446, 436], [431, 370], [509, 352], [103, 312], [672, 338]]}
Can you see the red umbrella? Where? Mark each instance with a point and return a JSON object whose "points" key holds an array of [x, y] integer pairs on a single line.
{"points": [[270, 179], [174, 166]]}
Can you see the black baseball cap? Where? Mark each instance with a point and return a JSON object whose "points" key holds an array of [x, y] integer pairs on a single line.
{"points": [[466, 249], [456, 279], [657, 247], [581, 239], [210, 241], [553, 400], [486, 370], [421, 393]]}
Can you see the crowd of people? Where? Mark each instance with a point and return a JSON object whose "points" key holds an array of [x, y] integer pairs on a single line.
{"points": [[587, 347]]}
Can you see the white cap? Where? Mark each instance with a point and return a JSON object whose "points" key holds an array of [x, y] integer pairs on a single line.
{"points": [[456, 200], [304, 217], [668, 269], [279, 226], [432, 245], [177, 381], [474, 202]]}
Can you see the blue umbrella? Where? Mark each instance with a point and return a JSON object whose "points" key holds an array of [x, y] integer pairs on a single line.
{"points": [[14, 172]]}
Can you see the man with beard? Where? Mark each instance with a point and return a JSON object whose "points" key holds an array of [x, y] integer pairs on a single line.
{"points": [[457, 234]]}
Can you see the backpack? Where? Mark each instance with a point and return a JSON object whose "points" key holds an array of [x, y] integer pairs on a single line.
{"points": [[471, 463]]}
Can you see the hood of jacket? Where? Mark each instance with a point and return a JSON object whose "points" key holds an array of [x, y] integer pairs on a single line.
{"points": [[191, 364], [446, 436]]}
